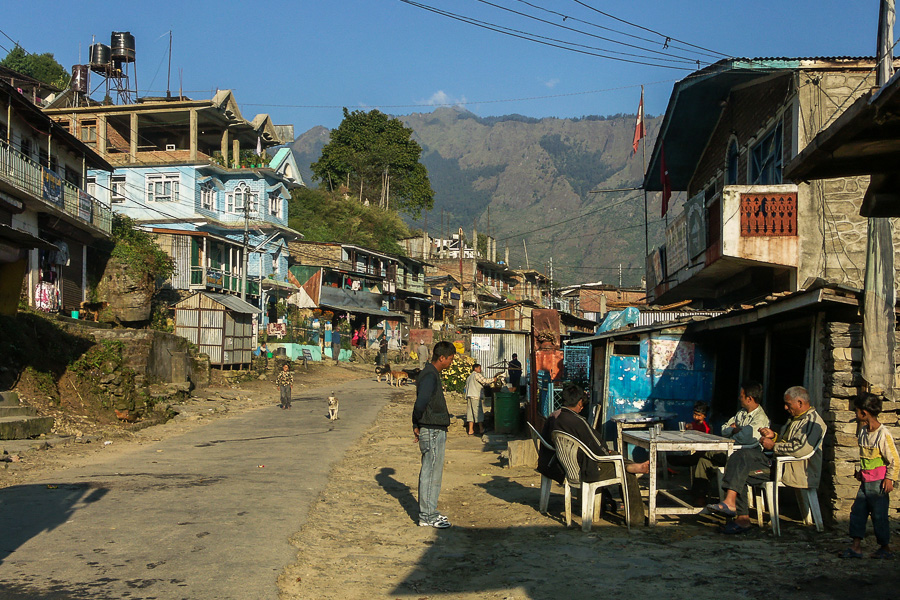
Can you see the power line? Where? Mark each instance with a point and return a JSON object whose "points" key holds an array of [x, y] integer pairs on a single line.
{"points": [[554, 43]]}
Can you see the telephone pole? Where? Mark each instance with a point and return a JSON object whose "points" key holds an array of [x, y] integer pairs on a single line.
{"points": [[246, 261]]}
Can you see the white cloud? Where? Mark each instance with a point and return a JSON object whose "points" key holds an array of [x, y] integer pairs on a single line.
{"points": [[551, 83], [442, 98]]}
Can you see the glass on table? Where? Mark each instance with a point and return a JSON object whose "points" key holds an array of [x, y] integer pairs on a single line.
{"points": [[681, 426]]}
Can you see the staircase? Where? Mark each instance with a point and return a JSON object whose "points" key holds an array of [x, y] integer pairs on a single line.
{"points": [[19, 421]]}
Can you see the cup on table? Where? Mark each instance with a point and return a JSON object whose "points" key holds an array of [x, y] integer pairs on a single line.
{"points": [[681, 425]]}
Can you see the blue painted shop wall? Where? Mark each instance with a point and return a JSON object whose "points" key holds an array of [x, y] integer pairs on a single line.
{"points": [[669, 374]]}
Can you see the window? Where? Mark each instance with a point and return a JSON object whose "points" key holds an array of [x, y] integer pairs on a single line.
{"points": [[162, 188], [766, 159], [208, 196], [91, 186], [234, 201], [72, 176], [89, 132], [25, 146], [117, 188], [275, 204], [731, 164]]}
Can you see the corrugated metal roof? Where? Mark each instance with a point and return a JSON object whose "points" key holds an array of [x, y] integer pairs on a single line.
{"points": [[231, 302]]}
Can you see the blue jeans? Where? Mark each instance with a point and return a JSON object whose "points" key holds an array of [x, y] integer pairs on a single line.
{"points": [[432, 443], [871, 500]]}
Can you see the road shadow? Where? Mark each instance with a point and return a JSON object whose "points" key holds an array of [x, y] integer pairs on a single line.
{"points": [[27, 511], [400, 491]]}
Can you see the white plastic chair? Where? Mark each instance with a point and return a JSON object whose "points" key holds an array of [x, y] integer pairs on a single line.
{"points": [[546, 482], [567, 447], [807, 497]]}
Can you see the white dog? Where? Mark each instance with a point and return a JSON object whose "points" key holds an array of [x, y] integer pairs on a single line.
{"points": [[332, 407]]}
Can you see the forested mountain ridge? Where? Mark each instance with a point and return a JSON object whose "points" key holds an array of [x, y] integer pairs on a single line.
{"points": [[528, 175]]}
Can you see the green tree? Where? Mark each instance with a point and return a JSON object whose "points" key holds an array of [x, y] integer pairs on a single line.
{"points": [[375, 156], [42, 67]]}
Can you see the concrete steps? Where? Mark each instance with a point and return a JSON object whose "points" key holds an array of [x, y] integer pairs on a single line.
{"points": [[19, 421]]}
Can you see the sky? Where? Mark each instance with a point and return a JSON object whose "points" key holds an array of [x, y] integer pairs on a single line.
{"points": [[302, 61]]}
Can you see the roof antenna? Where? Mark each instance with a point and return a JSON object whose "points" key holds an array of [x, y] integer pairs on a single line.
{"points": [[169, 77]]}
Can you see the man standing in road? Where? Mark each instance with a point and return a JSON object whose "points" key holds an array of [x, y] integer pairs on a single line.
{"points": [[474, 393], [285, 382], [430, 420], [422, 354], [514, 367], [336, 345]]}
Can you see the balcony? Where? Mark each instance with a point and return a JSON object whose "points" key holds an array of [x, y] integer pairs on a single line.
{"points": [[221, 281], [741, 243], [24, 175]]}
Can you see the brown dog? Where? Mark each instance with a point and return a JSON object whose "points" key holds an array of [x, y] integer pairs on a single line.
{"points": [[399, 377]]}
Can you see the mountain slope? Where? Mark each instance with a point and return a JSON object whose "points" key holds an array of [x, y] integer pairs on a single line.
{"points": [[531, 179]]}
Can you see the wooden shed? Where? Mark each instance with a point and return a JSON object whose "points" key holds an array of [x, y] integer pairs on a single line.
{"points": [[220, 325]]}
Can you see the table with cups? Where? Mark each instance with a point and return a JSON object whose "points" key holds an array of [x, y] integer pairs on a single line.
{"points": [[658, 442]]}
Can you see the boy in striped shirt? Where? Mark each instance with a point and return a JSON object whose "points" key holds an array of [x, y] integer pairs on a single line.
{"points": [[877, 473]]}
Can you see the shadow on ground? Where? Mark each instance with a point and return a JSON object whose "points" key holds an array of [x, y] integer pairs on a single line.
{"points": [[27, 511]]}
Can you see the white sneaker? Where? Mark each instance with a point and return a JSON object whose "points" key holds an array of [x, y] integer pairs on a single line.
{"points": [[439, 522]]}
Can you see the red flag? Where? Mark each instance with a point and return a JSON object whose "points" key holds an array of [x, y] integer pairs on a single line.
{"points": [[639, 131], [664, 179]]}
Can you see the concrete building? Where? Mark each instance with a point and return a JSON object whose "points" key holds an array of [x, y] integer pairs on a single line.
{"points": [[745, 231], [194, 172], [49, 220]]}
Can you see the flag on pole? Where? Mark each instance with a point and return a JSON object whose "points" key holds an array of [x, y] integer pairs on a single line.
{"points": [[664, 179], [639, 131], [259, 146]]}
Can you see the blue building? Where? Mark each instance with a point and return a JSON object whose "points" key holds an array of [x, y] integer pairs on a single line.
{"points": [[197, 174]]}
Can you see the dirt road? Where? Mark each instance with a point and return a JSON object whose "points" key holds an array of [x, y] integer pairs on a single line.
{"points": [[361, 540]]}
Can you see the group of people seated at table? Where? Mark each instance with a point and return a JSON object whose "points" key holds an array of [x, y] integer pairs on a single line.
{"points": [[751, 463]]}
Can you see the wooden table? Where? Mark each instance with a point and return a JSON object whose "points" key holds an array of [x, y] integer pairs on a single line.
{"points": [[672, 441]]}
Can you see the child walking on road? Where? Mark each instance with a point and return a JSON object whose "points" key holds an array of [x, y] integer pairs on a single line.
{"points": [[284, 382], [877, 472]]}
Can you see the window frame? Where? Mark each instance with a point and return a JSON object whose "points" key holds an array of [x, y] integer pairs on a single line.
{"points": [[117, 188], [207, 196], [242, 191], [174, 184], [766, 158], [275, 204]]}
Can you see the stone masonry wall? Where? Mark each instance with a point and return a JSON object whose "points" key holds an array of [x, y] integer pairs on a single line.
{"points": [[842, 345]]}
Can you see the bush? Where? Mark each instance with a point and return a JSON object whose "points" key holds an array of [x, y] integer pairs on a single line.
{"points": [[454, 376]]}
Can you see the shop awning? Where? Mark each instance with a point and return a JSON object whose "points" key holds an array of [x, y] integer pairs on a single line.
{"points": [[359, 310], [24, 239]]}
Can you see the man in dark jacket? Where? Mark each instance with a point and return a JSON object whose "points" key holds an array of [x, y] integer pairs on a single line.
{"points": [[430, 419], [571, 422]]}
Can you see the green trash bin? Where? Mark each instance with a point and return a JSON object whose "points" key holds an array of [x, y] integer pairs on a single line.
{"points": [[506, 412]]}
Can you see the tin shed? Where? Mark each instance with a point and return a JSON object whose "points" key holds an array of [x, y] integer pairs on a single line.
{"points": [[220, 325]]}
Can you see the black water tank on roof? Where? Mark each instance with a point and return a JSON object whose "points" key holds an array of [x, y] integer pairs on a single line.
{"points": [[79, 81], [122, 45], [99, 57]]}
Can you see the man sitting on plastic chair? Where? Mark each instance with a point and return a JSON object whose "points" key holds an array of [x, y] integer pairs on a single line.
{"points": [[801, 436], [569, 421]]}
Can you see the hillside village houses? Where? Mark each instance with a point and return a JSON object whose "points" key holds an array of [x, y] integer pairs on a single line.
{"points": [[193, 172], [48, 219], [786, 258]]}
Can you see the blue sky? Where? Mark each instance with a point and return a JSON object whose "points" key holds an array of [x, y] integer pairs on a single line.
{"points": [[313, 57]]}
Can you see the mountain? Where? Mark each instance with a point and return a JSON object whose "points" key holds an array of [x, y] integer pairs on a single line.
{"points": [[526, 178]]}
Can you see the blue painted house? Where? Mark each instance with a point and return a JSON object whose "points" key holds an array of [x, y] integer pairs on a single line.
{"points": [[197, 174]]}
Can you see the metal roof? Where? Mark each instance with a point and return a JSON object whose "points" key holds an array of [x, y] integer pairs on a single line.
{"points": [[231, 302], [364, 311]]}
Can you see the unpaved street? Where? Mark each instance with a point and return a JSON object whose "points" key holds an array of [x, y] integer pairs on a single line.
{"points": [[206, 513]]}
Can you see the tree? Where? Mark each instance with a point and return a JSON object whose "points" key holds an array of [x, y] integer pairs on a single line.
{"points": [[375, 157], [42, 67]]}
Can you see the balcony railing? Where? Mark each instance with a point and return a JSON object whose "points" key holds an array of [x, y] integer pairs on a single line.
{"points": [[222, 281], [768, 215], [24, 174]]}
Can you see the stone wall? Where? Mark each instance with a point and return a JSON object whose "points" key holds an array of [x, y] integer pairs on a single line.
{"points": [[157, 357], [842, 352]]}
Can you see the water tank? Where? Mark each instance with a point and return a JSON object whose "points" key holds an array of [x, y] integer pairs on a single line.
{"points": [[122, 46], [79, 81], [99, 57]]}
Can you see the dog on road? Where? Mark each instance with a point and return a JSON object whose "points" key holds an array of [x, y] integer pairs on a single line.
{"points": [[332, 407], [383, 371], [399, 377]]}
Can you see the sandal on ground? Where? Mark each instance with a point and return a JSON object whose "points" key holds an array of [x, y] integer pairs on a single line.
{"points": [[722, 509], [734, 529], [882, 553], [850, 553]]}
